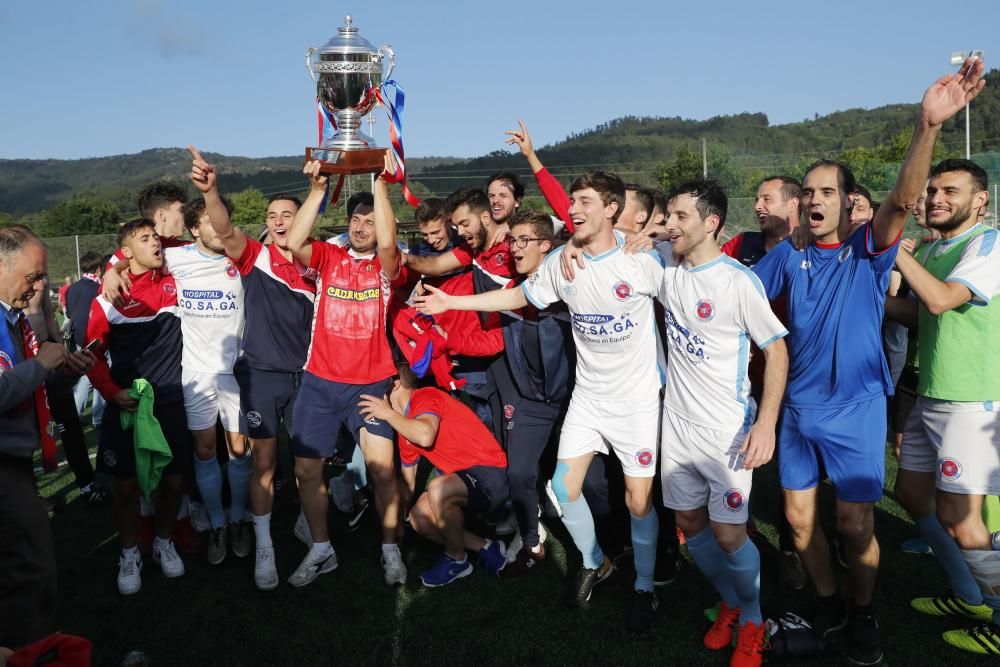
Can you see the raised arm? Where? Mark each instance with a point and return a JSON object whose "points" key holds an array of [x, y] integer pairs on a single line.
{"points": [[551, 189], [433, 265], [941, 101], [385, 221], [205, 178], [298, 236], [434, 301]]}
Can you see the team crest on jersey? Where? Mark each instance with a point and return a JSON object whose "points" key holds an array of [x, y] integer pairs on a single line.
{"points": [[845, 252], [704, 310], [508, 411], [169, 289], [231, 271], [733, 500], [569, 290], [951, 469], [622, 290], [805, 265], [110, 458], [500, 259], [5, 362], [253, 418], [644, 457]]}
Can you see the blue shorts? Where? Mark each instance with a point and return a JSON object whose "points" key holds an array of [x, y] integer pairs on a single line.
{"points": [[267, 398], [849, 442], [487, 486], [116, 446], [323, 406]]}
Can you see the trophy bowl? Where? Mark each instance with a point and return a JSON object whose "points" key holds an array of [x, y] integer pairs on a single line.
{"points": [[348, 73]]}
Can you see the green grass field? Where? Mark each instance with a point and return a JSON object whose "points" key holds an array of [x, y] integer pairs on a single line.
{"points": [[215, 616]]}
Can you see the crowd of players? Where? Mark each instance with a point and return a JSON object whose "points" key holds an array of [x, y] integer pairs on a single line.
{"points": [[633, 377]]}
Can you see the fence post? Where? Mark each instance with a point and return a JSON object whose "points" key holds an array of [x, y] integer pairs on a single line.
{"points": [[76, 237]]}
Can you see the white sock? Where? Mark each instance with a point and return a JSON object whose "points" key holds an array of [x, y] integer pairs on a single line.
{"points": [[321, 548], [133, 552], [389, 548], [184, 510], [159, 543], [262, 530]]}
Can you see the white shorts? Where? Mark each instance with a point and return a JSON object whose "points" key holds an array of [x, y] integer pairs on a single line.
{"points": [[628, 427], [211, 396], [702, 467], [958, 442]]}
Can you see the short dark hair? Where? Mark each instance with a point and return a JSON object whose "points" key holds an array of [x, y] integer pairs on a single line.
{"points": [[790, 188], [132, 227], [407, 378], [429, 209], [644, 197], [360, 199], [863, 191], [284, 196], [845, 177], [474, 198], [541, 224], [710, 199], [980, 181], [91, 261], [660, 200], [195, 209], [608, 186], [515, 182], [159, 195]]}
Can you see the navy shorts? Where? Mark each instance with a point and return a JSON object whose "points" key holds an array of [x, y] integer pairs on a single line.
{"points": [[323, 406], [848, 441], [116, 448], [266, 398], [487, 485]]}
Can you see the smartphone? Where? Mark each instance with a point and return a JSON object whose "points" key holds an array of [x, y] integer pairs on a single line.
{"points": [[93, 345]]}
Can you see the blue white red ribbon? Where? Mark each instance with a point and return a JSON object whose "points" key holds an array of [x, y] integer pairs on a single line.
{"points": [[394, 110]]}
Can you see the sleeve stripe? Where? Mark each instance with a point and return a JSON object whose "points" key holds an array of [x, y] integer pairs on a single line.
{"points": [[536, 304], [989, 240], [772, 339], [978, 297]]}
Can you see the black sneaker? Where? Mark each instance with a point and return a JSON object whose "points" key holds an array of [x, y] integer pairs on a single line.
{"points": [[830, 616], [361, 506], [642, 609], [585, 581], [864, 644], [667, 567], [525, 562], [95, 494]]}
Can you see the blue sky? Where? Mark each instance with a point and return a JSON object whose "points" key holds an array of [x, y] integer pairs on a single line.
{"points": [[84, 79]]}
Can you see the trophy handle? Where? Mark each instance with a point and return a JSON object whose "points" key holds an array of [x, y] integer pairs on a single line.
{"points": [[383, 51], [309, 55]]}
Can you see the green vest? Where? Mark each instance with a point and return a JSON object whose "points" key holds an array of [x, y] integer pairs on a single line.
{"points": [[959, 355]]}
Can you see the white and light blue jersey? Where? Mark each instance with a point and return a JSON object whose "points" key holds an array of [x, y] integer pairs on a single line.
{"points": [[210, 306], [611, 306], [712, 313]]}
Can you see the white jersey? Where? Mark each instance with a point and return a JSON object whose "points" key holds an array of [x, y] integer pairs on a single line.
{"points": [[712, 312], [611, 306], [210, 305]]}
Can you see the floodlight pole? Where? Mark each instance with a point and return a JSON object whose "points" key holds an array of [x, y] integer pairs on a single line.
{"points": [[957, 58]]}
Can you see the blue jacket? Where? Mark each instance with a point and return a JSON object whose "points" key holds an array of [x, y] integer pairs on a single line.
{"points": [[558, 354]]}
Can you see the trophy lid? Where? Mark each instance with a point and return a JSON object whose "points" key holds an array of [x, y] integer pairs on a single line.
{"points": [[348, 41]]}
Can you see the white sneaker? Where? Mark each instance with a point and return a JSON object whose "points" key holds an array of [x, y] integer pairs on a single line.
{"points": [[542, 533], [312, 566], [508, 526], [342, 492], [301, 530], [169, 561], [265, 570], [395, 569], [129, 569]]}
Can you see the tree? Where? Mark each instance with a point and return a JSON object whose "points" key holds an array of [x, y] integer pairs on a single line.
{"points": [[685, 166], [249, 208], [84, 215]]}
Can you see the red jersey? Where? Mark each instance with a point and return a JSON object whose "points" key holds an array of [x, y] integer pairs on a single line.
{"points": [[492, 268], [349, 339], [462, 441]]}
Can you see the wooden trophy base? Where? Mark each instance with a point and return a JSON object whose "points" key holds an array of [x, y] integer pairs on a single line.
{"points": [[362, 161]]}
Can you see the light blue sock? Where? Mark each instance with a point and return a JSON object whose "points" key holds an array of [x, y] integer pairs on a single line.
{"points": [[711, 560], [744, 569], [208, 476], [644, 532], [950, 557], [580, 524], [238, 470], [357, 469]]}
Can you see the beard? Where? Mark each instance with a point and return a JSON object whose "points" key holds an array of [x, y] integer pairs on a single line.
{"points": [[479, 238], [954, 221]]}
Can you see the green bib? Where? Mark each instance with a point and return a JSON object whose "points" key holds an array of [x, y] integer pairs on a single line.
{"points": [[959, 357]]}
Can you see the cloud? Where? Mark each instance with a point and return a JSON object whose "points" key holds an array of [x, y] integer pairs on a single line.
{"points": [[170, 35]]}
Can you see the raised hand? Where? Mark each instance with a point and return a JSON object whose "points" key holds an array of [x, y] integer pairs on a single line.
{"points": [[388, 167], [317, 181], [949, 94], [521, 138], [202, 173]]}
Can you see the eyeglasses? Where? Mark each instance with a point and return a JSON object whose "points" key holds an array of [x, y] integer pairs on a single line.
{"points": [[522, 241]]}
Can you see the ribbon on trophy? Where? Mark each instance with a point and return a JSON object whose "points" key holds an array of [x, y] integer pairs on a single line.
{"points": [[394, 110], [327, 126]]}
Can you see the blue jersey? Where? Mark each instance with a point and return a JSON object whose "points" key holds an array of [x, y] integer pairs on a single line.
{"points": [[836, 298]]}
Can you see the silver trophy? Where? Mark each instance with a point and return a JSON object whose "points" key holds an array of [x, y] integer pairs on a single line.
{"points": [[348, 73]]}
